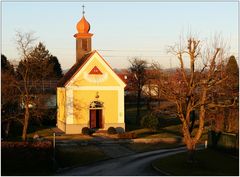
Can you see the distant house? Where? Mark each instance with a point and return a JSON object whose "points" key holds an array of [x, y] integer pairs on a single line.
{"points": [[150, 88], [124, 75], [90, 94]]}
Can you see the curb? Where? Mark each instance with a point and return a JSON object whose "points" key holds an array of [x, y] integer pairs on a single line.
{"points": [[159, 170]]}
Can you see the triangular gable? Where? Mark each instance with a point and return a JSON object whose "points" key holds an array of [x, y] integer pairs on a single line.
{"points": [[85, 63]]}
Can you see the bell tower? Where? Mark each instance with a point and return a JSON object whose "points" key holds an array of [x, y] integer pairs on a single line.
{"points": [[83, 38]]}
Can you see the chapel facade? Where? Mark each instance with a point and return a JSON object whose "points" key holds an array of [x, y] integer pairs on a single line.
{"points": [[90, 94]]}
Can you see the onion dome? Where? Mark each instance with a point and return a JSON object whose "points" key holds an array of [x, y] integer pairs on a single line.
{"points": [[83, 26]]}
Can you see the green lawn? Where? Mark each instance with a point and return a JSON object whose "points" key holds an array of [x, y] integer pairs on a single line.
{"points": [[209, 163]]}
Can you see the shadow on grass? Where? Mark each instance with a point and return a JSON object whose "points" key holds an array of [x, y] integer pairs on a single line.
{"points": [[26, 161], [208, 163], [16, 132], [68, 156]]}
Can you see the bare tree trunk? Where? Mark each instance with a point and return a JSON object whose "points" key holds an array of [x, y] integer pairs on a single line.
{"points": [[7, 129], [189, 141], [138, 107], [191, 146], [192, 121], [159, 97], [26, 119], [148, 102]]}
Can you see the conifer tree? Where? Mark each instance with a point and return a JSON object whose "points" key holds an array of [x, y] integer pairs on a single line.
{"points": [[56, 67]]}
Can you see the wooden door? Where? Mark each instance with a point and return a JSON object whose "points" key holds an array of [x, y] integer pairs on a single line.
{"points": [[93, 119], [99, 118]]}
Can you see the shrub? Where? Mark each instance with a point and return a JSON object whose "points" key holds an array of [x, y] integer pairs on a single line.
{"points": [[86, 131], [111, 130], [129, 135], [150, 121], [30, 145]]}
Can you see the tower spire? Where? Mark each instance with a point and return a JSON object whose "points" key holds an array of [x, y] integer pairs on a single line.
{"points": [[83, 37], [83, 12]]}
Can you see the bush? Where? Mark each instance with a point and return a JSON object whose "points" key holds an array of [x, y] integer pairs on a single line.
{"points": [[30, 145], [86, 131], [129, 135], [150, 121], [111, 130]]}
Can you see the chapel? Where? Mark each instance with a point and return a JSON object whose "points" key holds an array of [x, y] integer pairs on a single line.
{"points": [[90, 94]]}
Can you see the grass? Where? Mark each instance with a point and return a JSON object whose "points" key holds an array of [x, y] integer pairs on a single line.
{"points": [[151, 134], [26, 163], [145, 133], [145, 147], [48, 134], [42, 131], [68, 156], [130, 116], [209, 163]]}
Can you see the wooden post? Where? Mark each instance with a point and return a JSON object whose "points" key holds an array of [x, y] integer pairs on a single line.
{"points": [[54, 141], [54, 145]]}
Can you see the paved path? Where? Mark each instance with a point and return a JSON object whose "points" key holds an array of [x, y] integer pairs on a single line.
{"points": [[131, 165]]}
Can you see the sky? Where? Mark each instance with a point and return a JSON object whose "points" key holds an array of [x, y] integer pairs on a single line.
{"points": [[122, 30]]}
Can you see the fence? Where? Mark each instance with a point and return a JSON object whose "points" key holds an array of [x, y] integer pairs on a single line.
{"points": [[42, 86], [228, 142]]}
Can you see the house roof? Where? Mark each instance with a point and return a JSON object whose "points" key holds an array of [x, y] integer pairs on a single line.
{"points": [[71, 72], [77, 67]]}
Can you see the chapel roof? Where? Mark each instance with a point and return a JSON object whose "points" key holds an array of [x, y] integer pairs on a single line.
{"points": [[77, 67], [71, 72]]}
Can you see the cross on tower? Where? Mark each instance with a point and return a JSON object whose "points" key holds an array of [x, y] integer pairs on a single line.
{"points": [[83, 9]]}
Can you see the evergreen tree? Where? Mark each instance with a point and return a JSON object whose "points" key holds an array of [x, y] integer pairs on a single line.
{"points": [[43, 66], [232, 71], [56, 67], [5, 65], [232, 67], [9, 95]]}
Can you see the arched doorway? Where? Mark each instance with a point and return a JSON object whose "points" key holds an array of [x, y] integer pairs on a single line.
{"points": [[96, 114]]}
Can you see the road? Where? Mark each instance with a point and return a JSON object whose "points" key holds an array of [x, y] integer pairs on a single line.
{"points": [[131, 165]]}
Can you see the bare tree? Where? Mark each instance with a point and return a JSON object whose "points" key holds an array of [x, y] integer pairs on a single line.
{"points": [[25, 46], [29, 81], [156, 77], [190, 89], [138, 71]]}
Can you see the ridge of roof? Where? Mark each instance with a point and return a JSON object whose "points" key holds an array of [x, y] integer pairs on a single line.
{"points": [[77, 66], [111, 68], [71, 72]]}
